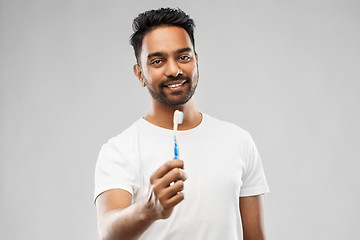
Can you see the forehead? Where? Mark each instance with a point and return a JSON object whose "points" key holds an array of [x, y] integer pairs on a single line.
{"points": [[165, 39]]}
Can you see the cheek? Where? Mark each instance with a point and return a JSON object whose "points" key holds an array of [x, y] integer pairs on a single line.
{"points": [[154, 75], [194, 70], [188, 68]]}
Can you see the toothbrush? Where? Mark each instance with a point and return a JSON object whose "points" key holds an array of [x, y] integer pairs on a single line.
{"points": [[178, 119]]}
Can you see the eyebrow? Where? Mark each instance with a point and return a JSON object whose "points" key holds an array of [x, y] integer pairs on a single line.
{"points": [[155, 54], [183, 50], [159, 54]]}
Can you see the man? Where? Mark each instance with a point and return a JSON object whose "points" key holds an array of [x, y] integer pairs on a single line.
{"points": [[141, 192]]}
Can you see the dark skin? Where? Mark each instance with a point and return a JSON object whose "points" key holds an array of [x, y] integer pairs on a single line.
{"points": [[251, 209], [166, 52], [119, 219]]}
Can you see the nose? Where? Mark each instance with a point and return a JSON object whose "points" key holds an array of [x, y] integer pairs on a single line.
{"points": [[172, 69]]}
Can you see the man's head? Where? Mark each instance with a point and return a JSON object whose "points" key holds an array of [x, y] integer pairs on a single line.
{"points": [[166, 60], [151, 19]]}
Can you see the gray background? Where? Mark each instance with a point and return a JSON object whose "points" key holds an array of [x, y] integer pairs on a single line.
{"points": [[286, 71]]}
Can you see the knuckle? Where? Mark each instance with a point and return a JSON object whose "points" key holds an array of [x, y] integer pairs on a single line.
{"points": [[161, 197], [177, 172], [165, 204], [156, 189], [168, 164]]}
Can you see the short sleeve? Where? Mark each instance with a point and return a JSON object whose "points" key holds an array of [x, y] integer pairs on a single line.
{"points": [[116, 168], [254, 180]]}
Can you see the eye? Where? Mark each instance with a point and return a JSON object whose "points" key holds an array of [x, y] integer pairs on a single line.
{"points": [[185, 58], [155, 62]]}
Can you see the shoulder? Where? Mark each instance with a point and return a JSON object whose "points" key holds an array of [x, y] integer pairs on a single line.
{"points": [[221, 127], [126, 139]]}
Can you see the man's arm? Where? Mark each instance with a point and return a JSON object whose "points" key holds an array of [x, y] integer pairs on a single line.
{"points": [[251, 211], [119, 219]]}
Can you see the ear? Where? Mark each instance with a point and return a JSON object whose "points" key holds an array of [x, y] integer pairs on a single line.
{"points": [[139, 75], [197, 60]]}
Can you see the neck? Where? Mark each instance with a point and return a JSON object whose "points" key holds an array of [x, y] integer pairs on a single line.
{"points": [[162, 115]]}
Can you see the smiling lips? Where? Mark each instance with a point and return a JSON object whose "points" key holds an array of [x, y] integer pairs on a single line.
{"points": [[176, 84]]}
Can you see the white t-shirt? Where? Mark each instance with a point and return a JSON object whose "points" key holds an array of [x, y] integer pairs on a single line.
{"points": [[221, 162]]}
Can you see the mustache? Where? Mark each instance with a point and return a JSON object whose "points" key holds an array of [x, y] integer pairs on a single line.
{"points": [[171, 79]]}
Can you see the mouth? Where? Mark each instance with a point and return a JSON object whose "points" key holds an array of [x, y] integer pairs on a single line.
{"points": [[175, 85]]}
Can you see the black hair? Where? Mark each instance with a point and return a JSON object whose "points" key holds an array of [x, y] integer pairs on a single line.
{"points": [[151, 19]]}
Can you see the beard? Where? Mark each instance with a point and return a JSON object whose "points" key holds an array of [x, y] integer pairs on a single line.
{"points": [[176, 98]]}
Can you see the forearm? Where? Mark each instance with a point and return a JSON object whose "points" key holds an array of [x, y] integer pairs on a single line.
{"points": [[128, 223], [119, 219]]}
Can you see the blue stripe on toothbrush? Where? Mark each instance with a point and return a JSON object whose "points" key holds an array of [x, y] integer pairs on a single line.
{"points": [[176, 150]]}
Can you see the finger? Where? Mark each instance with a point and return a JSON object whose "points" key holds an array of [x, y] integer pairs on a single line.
{"points": [[165, 168], [183, 175], [173, 201], [170, 177], [170, 191]]}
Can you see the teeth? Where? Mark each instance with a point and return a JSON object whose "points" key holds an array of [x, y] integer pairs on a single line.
{"points": [[176, 85]]}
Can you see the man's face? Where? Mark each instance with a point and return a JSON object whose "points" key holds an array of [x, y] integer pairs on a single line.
{"points": [[168, 65]]}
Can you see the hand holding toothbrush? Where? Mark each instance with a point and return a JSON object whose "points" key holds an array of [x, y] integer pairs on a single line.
{"points": [[165, 193]]}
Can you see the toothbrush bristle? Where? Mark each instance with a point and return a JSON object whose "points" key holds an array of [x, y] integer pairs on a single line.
{"points": [[178, 117]]}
